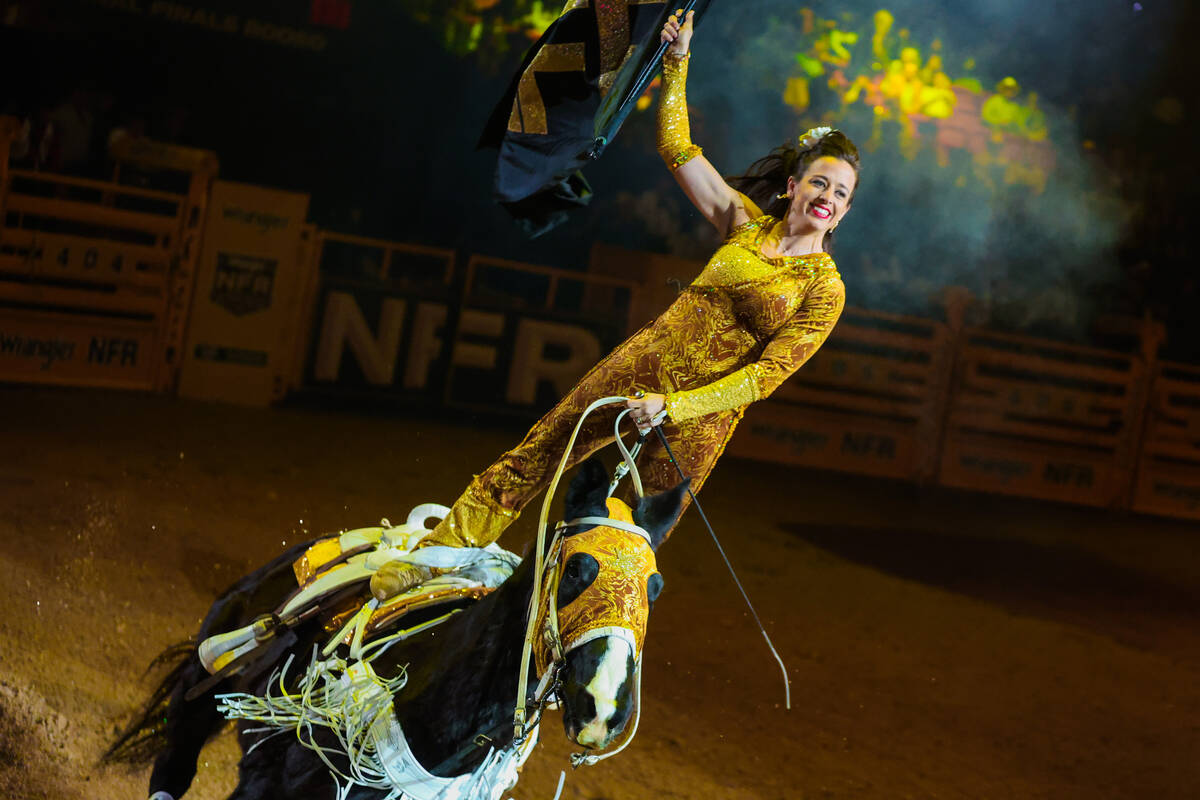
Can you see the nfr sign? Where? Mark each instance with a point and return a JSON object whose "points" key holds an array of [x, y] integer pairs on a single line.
{"points": [[393, 349], [75, 350], [518, 361], [113, 350], [421, 346]]}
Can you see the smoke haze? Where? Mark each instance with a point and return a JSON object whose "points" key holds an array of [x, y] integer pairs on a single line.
{"points": [[1038, 255]]}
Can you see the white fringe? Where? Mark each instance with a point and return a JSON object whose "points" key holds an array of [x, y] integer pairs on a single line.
{"points": [[355, 705], [345, 699]]}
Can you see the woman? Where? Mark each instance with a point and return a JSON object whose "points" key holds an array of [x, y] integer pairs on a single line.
{"points": [[761, 307]]}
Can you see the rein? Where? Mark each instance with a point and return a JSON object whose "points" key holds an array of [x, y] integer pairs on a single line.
{"points": [[552, 636], [544, 555]]}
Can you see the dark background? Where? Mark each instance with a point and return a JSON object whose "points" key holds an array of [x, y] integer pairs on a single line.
{"points": [[380, 126]]}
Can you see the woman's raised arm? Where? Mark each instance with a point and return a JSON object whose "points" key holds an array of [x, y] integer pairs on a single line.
{"points": [[720, 203]]}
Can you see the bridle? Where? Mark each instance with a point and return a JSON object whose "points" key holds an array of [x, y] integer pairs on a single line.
{"points": [[547, 574], [548, 684]]}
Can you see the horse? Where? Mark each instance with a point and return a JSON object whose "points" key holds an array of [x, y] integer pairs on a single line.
{"points": [[459, 682]]}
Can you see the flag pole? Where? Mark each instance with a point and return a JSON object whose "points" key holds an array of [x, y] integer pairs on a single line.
{"points": [[609, 120]]}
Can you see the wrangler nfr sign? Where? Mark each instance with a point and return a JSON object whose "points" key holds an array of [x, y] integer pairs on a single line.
{"points": [[65, 349], [94, 289], [254, 266]]}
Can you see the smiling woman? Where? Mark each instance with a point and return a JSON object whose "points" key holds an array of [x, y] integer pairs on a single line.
{"points": [[823, 167], [761, 307]]}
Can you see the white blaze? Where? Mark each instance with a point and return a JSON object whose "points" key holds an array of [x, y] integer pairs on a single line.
{"points": [[610, 674]]}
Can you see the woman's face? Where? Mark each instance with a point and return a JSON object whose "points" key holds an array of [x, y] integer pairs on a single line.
{"points": [[821, 196]]}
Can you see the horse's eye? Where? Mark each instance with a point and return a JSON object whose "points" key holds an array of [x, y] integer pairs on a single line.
{"points": [[578, 573]]}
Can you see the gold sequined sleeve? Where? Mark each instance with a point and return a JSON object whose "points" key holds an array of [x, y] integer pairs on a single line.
{"points": [[791, 346], [674, 132]]}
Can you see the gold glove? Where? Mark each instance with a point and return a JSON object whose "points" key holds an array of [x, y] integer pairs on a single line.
{"points": [[674, 131], [735, 390]]}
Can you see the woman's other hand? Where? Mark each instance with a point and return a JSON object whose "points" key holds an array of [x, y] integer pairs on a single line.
{"points": [[679, 35], [647, 411]]}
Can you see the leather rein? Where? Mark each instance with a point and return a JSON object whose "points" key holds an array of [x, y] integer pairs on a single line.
{"points": [[547, 572]]}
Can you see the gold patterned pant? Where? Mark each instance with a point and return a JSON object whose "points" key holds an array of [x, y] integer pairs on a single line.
{"points": [[496, 496]]}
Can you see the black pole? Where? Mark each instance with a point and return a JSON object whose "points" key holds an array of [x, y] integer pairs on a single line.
{"points": [[626, 90]]}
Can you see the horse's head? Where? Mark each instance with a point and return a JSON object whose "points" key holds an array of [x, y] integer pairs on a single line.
{"points": [[607, 579]]}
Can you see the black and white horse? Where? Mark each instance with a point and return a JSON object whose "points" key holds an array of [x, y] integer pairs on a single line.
{"points": [[461, 682]]}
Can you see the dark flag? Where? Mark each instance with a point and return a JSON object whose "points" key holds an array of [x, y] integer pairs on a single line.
{"points": [[575, 87]]}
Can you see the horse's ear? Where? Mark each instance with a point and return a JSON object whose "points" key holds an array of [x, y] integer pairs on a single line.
{"points": [[658, 513], [588, 491]]}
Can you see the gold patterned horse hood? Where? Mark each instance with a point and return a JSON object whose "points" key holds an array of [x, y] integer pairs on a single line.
{"points": [[618, 598]]}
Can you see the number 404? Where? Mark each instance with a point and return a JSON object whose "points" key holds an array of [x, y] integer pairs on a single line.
{"points": [[91, 258]]}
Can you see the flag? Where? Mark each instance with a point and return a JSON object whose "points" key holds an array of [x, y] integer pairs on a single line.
{"points": [[573, 90]]}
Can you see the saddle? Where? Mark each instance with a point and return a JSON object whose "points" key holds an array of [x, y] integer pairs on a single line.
{"points": [[333, 576]]}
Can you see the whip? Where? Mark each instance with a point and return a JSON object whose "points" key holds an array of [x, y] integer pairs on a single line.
{"points": [[787, 689]]}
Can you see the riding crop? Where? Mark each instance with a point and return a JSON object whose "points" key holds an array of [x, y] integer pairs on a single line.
{"points": [[787, 689]]}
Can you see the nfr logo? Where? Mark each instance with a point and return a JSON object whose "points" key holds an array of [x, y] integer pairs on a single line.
{"points": [[389, 353], [869, 444], [106, 350], [1064, 474], [243, 284]]}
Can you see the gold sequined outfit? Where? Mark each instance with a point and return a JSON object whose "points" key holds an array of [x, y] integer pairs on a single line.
{"points": [[742, 327]]}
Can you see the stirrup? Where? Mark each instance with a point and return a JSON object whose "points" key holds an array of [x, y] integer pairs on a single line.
{"points": [[217, 651]]}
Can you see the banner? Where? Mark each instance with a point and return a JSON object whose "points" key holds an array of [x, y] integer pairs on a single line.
{"points": [[247, 300], [77, 350], [419, 347], [373, 341]]}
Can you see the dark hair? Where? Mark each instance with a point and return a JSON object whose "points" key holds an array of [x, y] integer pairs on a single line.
{"points": [[767, 178]]}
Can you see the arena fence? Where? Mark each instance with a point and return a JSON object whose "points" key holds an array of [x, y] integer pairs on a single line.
{"points": [[1168, 476], [95, 278], [1042, 419], [870, 401]]}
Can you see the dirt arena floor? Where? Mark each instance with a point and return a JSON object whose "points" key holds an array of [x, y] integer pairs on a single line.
{"points": [[940, 644]]}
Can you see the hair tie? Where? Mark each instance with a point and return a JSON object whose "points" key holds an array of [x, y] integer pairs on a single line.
{"points": [[813, 137]]}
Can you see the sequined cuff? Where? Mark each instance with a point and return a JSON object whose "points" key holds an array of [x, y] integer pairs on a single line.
{"points": [[674, 132], [673, 62], [685, 155], [735, 390]]}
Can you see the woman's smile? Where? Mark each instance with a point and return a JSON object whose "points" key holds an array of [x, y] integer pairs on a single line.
{"points": [[820, 209]]}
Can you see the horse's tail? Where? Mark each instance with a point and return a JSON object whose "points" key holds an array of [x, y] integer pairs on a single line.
{"points": [[146, 734]]}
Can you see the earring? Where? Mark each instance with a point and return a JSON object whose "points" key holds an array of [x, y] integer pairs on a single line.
{"points": [[783, 195]]}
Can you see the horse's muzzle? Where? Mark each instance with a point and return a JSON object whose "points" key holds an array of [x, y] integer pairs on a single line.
{"points": [[597, 691]]}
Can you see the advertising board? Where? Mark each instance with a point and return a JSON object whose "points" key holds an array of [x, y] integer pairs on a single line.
{"points": [[1042, 419], [869, 401], [252, 269], [1168, 480]]}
